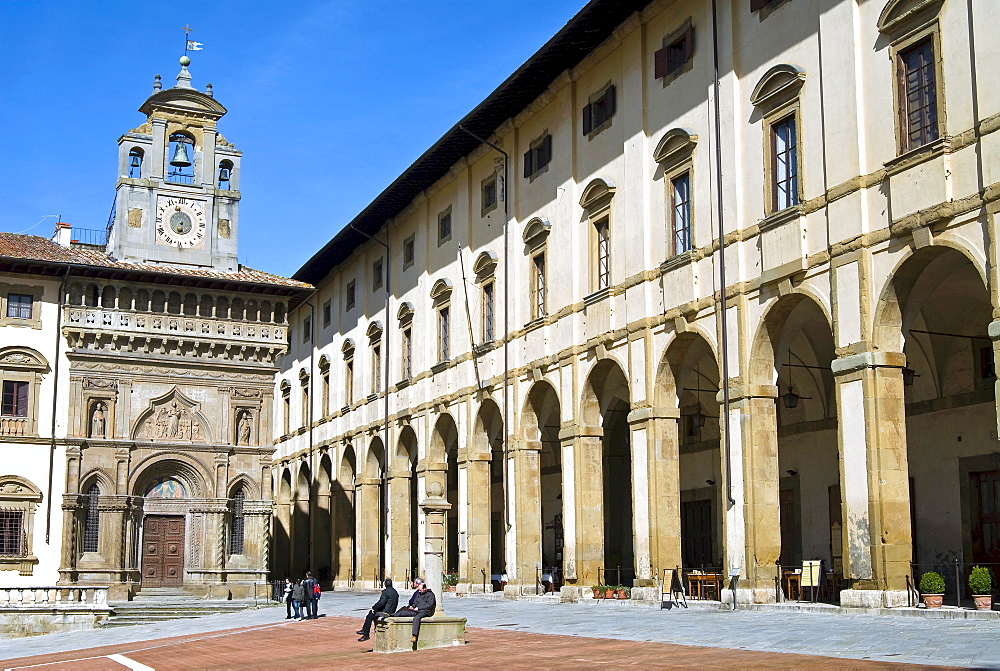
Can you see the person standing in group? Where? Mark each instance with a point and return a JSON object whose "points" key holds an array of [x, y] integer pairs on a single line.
{"points": [[422, 604], [298, 596], [311, 603], [385, 606], [288, 598]]}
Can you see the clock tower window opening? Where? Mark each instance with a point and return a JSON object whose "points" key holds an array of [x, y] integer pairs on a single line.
{"points": [[181, 152], [135, 157], [225, 174]]}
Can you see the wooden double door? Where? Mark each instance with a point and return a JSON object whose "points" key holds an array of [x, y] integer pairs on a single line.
{"points": [[163, 551]]}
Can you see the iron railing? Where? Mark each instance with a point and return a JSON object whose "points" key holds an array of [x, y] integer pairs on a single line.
{"points": [[89, 236], [955, 573], [618, 575]]}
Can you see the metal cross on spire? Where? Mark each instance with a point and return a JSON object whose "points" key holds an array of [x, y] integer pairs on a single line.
{"points": [[189, 44]]}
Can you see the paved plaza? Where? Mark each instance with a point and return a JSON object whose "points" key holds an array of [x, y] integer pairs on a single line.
{"points": [[512, 633]]}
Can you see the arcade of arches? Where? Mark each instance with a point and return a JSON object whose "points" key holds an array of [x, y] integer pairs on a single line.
{"points": [[867, 456]]}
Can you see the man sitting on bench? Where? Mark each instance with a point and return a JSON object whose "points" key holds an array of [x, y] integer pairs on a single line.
{"points": [[422, 604]]}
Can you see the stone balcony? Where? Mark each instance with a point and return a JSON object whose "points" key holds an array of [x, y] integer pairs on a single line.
{"points": [[14, 426], [114, 329]]}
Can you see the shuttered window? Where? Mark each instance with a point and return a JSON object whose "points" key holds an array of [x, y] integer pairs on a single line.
{"points": [[600, 111], [538, 156], [918, 95], [675, 54]]}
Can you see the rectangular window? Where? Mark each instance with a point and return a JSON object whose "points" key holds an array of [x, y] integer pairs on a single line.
{"points": [[444, 334], [444, 226], [326, 392], [784, 164], [538, 285], [488, 312], [19, 306], [407, 353], [603, 254], [306, 328], [376, 368], [538, 156], [918, 95], [348, 382], [327, 314], [408, 254], [286, 412], [489, 194], [305, 405], [599, 111], [377, 275], [680, 212], [349, 299], [15, 399], [12, 539], [676, 54]]}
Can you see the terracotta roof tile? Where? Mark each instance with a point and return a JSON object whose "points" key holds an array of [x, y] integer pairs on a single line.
{"points": [[35, 248]]}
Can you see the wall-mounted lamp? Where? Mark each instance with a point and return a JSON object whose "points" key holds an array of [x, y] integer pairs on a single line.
{"points": [[792, 472], [908, 375]]}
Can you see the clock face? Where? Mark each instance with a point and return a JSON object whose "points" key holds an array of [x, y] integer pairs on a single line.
{"points": [[180, 222]]}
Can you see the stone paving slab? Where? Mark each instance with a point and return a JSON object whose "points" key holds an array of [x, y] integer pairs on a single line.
{"points": [[855, 637], [328, 643]]}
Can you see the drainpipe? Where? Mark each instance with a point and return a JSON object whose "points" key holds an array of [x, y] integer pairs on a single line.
{"points": [[506, 324], [723, 303], [55, 401]]}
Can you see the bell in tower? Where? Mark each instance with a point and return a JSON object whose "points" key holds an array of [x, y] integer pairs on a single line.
{"points": [[178, 186]]}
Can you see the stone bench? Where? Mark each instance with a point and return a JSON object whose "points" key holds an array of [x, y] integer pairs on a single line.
{"points": [[436, 631]]}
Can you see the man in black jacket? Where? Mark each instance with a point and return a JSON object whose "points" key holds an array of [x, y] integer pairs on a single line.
{"points": [[311, 603], [385, 606], [421, 605]]}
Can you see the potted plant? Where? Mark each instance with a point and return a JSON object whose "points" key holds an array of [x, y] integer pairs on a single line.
{"points": [[932, 589], [623, 592], [981, 586], [450, 581], [598, 591]]}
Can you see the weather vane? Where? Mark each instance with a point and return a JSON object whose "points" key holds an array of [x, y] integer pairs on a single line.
{"points": [[189, 44]]}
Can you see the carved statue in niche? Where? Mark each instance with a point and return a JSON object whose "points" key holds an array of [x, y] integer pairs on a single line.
{"points": [[244, 427], [98, 421]]}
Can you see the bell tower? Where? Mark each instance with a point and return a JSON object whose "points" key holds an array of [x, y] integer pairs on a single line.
{"points": [[177, 200]]}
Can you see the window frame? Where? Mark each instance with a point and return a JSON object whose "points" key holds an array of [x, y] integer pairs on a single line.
{"points": [[34, 320], [603, 101], [444, 332], [410, 250], [237, 523], [327, 313], [20, 495], [350, 295], [774, 179], [929, 36], [488, 318], [539, 283], [663, 69], [488, 206], [349, 379], [683, 174], [444, 216], [376, 359], [22, 365], [538, 157], [407, 351]]}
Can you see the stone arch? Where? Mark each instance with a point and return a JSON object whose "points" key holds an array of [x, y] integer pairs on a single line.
{"points": [[406, 455], [443, 451], [108, 296], [205, 306], [778, 84], [190, 306], [174, 303], [125, 297], [597, 192], [375, 458], [156, 467], [676, 145], [142, 300], [247, 483], [899, 13], [23, 358], [101, 478], [606, 384]]}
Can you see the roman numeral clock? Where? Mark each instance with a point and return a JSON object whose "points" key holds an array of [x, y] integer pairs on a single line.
{"points": [[180, 222]]}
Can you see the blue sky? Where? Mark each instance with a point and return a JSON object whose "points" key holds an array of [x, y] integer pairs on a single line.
{"points": [[329, 101]]}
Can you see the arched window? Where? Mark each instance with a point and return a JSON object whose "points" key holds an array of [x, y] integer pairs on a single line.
{"points": [[225, 174], [236, 532], [92, 520], [181, 155], [135, 163]]}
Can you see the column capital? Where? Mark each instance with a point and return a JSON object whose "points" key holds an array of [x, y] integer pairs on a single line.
{"points": [[856, 362], [366, 482], [570, 431], [648, 413], [740, 390]]}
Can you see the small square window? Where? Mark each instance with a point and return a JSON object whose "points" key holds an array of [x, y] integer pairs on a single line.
{"points": [[327, 314], [676, 55], [377, 275], [597, 115], [349, 298], [537, 158], [444, 226], [19, 306], [489, 194], [408, 252]]}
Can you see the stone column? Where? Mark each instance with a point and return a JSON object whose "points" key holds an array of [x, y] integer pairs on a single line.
{"points": [[367, 509], [478, 523], [586, 456], [71, 504], [994, 333], [399, 524], [344, 528], [527, 503], [754, 418], [435, 507], [658, 427], [874, 476]]}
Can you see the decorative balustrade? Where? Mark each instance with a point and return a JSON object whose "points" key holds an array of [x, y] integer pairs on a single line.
{"points": [[174, 326], [13, 426], [27, 598]]}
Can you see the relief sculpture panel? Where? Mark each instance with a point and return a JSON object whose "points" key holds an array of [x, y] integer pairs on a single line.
{"points": [[173, 419]]}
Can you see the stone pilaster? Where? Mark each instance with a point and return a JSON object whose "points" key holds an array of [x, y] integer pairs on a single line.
{"points": [[755, 422], [399, 524], [874, 476], [586, 530], [478, 524], [527, 503], [367, 507], [656, 428], [994, 332]]}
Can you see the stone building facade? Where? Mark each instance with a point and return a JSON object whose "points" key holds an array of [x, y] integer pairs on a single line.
{"points": [[632, 316], [144, 439]]}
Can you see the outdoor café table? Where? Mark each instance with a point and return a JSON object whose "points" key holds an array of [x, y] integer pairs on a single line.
{"points": [[793, 584], [701, 585]]}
